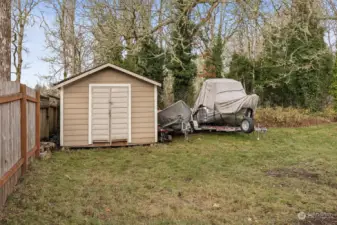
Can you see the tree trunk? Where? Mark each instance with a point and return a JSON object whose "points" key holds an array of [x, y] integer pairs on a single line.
{"points": [[20, 52], [160, 19], [5, 40], [21, 31]]}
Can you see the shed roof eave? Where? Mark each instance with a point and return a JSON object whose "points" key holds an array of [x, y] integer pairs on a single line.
{"points": [[99, 68]]}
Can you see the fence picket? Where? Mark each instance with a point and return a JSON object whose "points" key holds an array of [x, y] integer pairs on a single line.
{"points": [[19, 111]]}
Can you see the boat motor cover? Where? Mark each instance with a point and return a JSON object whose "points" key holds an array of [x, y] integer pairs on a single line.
{"points": [[225, 96]]}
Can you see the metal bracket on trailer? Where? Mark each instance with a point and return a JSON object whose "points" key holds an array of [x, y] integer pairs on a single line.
{"points": [[259, 130]]}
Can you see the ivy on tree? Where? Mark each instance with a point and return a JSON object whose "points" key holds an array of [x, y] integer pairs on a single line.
{"points": [[181, 59]]}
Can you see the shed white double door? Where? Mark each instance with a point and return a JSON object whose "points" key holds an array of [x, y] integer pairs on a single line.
{"points": [[110, 113]]}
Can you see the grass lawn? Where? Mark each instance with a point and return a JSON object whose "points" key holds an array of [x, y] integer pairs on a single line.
{"points": [[212, 179]]}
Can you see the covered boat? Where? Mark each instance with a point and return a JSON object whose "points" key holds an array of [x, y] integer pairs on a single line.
{"points": [[224, 102], [175, 116]]}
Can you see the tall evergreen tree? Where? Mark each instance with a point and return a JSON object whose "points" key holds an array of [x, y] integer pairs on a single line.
{"points": [[151, 60], [214, 63], [297, 66], [181, 59], [241, 69], [150, 63]]}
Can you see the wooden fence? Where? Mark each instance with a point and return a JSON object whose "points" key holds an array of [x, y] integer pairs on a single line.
{"points": [[19, 133], [49, 119]]}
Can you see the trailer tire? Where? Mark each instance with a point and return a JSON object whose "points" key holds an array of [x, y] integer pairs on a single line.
{"points": [[247, 125]]}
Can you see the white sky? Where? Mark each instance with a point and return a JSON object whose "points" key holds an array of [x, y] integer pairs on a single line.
{"points": [[35, 43]]}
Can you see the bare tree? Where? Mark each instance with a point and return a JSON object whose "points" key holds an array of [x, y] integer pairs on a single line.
{"points": [[21, 17], [118, 26], [5, 40], [64, 38], [330, 21]]}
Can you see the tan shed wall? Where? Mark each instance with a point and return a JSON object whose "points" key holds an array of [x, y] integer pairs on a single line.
{"points": [[76, 107]]}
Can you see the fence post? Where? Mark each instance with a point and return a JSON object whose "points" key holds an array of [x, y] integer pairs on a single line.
{"points": [[37, 125], [23, 124]]}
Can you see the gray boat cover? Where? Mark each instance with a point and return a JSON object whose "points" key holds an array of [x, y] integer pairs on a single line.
{"points": [[175, 114], [225, 96]]}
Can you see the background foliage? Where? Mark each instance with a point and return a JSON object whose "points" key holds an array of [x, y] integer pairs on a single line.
{"points": [[284, 51]]}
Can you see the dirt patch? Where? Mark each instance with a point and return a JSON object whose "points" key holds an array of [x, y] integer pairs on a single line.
{"points": [[319, 219], [293, 172], [300, 173]]}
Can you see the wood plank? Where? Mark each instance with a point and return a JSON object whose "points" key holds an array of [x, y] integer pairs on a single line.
{"points": [[100, 127], [143, 120], [143, 135], [10, 147], [75, 111], [10, 98], [44, 123], [75, 106], [109, 80], [24, 129], [140, 141], [31, 123], [76, 132], [135, 104], [76, 116], [149, 104], [141, 115], [31, 99], [9, 187], [119, 136], [142, 125], [144, 94], [136, 98], [32, 152], [116, 143], [37, 125], [76, 95], [85, 89], [83, 138], [71, 143], [30, 92], [110, 76], [73, 122], [75, 127], [149, 129], [11, 172], [71, 100], [122, 120]]}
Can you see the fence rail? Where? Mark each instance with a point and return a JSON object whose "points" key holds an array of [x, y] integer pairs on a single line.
{"points": [[19, 133]]}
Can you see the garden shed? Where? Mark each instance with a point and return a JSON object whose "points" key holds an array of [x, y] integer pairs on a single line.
{"points": [[107, 106]]}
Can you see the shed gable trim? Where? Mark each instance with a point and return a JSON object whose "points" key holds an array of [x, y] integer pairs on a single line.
{"points": [[75, 78]]}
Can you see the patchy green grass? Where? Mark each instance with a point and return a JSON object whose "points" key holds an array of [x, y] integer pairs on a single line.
{"points": [[212, 179]]}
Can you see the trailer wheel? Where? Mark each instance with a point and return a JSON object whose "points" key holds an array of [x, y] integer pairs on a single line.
{"points": [[247, 125]]}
